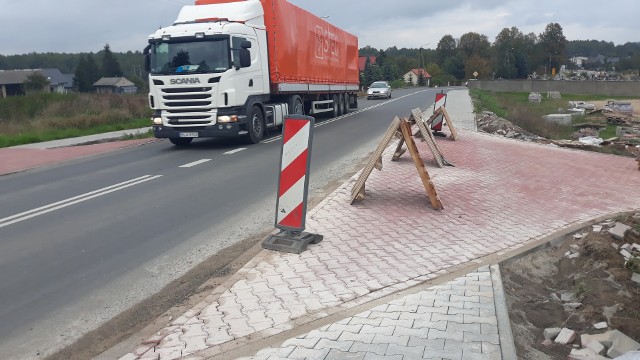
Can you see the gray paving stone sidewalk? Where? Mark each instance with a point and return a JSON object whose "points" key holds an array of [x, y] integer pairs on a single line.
{"points": [[456, 320]]}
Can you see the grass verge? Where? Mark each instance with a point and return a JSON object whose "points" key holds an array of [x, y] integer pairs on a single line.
{"points": [[516, 108], [44, 117]]}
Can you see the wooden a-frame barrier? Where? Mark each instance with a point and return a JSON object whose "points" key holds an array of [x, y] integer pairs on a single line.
{"points": [[402, 129], [417, 118], [443, 110]]}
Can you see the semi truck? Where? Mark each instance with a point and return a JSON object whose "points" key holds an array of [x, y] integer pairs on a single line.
{"points": [[229, 68]]}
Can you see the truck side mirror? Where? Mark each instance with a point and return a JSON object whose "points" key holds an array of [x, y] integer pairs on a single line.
{"points": [[245, 57], [147, 58]]}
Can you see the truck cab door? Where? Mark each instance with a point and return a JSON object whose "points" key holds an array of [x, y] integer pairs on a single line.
{"points": [[249, 78]]}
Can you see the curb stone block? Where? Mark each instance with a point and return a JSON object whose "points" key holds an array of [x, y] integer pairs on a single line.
{"points": [[551, 333], [584, 354], [619, 230], [566, 336], [597, 347], [621, 344], [601, 325], [631, 355]]}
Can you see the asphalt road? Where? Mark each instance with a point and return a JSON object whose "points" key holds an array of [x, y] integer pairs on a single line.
{"points": [[84, 240]]}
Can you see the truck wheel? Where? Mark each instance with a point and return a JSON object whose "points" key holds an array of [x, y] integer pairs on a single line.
{"points": [[255, 126], [295, 105], [341, 102], [336, 106], [345, 104], [180, 141]]}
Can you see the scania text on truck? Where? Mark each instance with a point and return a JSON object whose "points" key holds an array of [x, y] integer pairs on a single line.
{"points": [[238, 67]]}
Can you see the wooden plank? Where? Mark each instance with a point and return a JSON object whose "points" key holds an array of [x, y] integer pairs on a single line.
{"points": [[357, 193], [378, 164], [436, 204], [454, 133], [399, 150], [428, 137]]}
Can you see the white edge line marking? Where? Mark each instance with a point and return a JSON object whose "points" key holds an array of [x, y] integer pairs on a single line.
{"points": [[195, 163], [74, 200], [326, 122], [234, 151]]}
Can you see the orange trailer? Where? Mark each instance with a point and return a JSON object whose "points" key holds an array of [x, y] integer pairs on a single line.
{"points": [[304, 48]]}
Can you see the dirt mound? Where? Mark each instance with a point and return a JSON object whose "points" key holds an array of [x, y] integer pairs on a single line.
{"points": [[492, 124], [586, 269]]}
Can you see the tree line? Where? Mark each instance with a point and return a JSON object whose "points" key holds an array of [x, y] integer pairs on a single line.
{"points": [[87, 68], [513, 55]]}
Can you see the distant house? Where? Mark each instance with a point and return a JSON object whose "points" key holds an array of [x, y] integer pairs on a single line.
{"points": [[12, 81], [412, 76], [58, 82], [115, 85], [362, 60]]}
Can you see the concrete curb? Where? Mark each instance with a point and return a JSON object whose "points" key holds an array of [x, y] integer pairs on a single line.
{"points": [[507, 344], [114, 135]]}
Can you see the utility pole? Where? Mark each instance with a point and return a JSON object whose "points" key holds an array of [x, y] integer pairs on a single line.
{"points": [[507, 57], [421, 59]]}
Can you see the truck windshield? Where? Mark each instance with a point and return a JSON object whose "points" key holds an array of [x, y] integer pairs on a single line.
{"points": [[190, 57]]}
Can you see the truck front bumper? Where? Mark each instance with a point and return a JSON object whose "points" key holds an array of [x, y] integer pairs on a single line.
{"points": [[219, 130]]}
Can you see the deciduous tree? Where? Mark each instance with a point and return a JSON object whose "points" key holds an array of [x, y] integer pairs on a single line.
{"points": [[446, 49], [36, 82], [554, 44]]}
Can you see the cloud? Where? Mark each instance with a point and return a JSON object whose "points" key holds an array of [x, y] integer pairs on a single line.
{"points": [[85, 26]]}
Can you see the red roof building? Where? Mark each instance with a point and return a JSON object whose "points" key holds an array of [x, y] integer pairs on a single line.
{"points": [[412, 76]]}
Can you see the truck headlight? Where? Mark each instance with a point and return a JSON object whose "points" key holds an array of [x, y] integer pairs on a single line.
{"points": [[227, 118], [157, 121]]}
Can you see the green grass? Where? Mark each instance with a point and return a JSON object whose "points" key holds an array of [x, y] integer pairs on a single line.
{"points": [[398, 84], [45, 117], [633, 264], [486, 101], [516, 108], [41, 135], [581, 288]]}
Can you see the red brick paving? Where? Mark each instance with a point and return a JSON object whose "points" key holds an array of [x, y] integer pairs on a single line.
{"points": [[500, 195], [19, 159]]}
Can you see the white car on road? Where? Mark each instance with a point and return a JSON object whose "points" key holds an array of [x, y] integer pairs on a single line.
{"points": [[379, 89]]}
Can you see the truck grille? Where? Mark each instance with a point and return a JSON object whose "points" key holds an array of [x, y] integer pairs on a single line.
{"points": [[188, 106]]}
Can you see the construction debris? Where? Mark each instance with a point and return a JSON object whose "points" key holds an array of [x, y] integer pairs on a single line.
{"points": [[535, 97], [582, 105], [618, 106], [585, 305], [492, 124], [585, 138], [554, 95]]}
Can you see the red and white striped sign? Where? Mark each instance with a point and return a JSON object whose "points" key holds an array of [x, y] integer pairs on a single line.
{"points": [[294, 172], [441, 101]]}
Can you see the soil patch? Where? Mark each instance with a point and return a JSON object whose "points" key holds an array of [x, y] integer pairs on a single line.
{"points": [[585, 268]]}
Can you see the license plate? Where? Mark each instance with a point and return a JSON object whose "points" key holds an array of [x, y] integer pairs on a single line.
{"points": [[188, 134]]}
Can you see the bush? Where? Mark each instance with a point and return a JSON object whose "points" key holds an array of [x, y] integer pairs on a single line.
{"points": [[396, 84]]}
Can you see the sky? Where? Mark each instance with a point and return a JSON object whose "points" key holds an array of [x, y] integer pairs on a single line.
{"points": [[74, 26]]}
